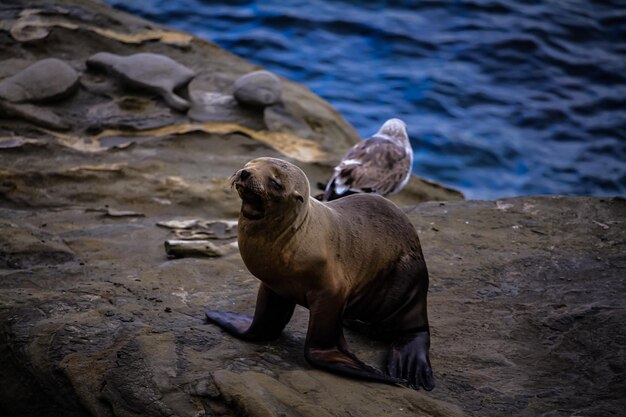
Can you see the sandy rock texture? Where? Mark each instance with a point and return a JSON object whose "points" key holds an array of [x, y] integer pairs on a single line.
{"points": [[527, 307], [527, 299]]}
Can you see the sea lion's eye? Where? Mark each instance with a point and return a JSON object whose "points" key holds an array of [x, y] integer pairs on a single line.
{"points": [[276, 184]]}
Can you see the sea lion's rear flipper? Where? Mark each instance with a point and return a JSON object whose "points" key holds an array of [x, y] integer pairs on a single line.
{"points": [[326, 348], [335, 361], [408, 359], [271, 315]]}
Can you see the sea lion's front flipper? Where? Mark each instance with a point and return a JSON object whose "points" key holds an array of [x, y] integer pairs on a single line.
{"points": [[408, 359], [271, 315], [325, 346]]}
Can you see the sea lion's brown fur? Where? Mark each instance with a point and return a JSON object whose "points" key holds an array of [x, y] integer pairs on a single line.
{"points": [[356, 260]]}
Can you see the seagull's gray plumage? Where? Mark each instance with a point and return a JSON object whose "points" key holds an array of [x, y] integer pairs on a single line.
{"points": [[380, 164]]}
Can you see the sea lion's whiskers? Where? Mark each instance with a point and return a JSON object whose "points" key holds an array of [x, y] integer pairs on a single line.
{"points": [[233, 179]]}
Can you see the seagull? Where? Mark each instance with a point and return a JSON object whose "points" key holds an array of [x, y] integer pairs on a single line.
{"points": [[380, 164]]}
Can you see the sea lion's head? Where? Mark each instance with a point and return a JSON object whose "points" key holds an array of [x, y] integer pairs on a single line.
{"points": [[270, 188]]}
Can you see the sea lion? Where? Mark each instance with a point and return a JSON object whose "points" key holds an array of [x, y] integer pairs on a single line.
{"points": [[355, 261]]}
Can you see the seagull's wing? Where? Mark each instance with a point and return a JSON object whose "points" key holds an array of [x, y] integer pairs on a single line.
{"points": [[373, 165]]}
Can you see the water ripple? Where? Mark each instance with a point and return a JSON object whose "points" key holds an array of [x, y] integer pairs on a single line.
{"points": [[501, 97]]}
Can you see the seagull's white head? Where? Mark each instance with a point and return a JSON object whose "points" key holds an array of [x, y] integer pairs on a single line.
{"points": [[395, 129]]}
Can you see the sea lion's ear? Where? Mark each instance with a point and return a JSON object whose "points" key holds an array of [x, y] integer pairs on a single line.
{"points": [[298, 196]]}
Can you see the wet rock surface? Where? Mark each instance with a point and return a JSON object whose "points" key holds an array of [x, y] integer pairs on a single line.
{"points": [[527, 299]]}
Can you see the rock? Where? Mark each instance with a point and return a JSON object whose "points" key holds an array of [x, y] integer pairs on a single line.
{"points": [[18, 142], [46, 80], [35, 114], [36, 23], [103, 103], [197, 229], [110, 212], [416, 190], [258, 89], [217, 107], [421, 189], [148, 71], [279, 119], [258, 395], [129, 113], [96, 320], [518, 327], [176, 248], [24, 247]]}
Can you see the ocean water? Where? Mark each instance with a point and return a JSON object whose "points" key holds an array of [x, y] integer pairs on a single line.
{"points": [[501, 98]]}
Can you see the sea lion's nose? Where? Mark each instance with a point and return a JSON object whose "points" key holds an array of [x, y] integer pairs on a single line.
{"points": [[244, 175]]}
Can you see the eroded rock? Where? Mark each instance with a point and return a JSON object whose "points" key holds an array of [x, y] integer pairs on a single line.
{"points": [[526, 299], [176, 248], [37, 115], [46, 80], [255, 394], [197, 229], [23, 247], [148, 71], [129, 113], [258, 89], [279, 119], [223, 108], [509, 279]]}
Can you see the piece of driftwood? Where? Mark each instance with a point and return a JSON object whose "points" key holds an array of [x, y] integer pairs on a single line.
{"points": [[111, 212], [196, 229], [185, 248]]}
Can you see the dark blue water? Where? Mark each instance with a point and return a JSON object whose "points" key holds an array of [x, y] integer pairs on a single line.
{"points": [[501, 98]]}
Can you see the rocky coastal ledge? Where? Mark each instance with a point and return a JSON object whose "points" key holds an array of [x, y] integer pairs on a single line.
{"points": [[99, 167]]}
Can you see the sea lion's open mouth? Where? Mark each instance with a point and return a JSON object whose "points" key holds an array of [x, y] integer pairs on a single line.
{"points": [[252, 204]]}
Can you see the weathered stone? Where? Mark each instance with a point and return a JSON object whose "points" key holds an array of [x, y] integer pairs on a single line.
{"points": [[129, 113], [314, 393], [421, 189], [152, 72], [12, 66], [18, 142], [37, 115], [46, 80], [111, 212], [22, 247], [508, 278], [196, 229], [217, 107], [258, 89], [278, 118], [527, 295], [177, 248]]}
